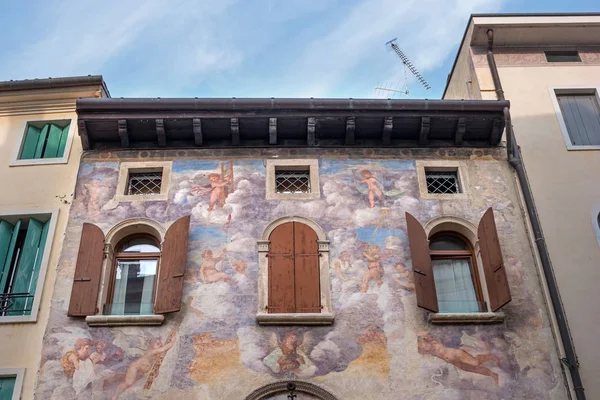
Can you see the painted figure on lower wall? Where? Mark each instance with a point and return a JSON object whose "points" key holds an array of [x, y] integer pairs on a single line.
{"points": [[374, 270], [208, 269], [342, 265], [289, 356], [427, 344], [404, 277]]}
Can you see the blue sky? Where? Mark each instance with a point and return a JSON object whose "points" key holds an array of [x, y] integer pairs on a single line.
{"points": [[243, 48]]}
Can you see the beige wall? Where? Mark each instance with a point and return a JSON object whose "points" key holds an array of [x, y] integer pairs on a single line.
{"points": [[463, 83], [31, 188]]}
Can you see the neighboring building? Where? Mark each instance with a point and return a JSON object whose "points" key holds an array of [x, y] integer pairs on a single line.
{"points": [[237, 249], [549, 70], [39, 154]]}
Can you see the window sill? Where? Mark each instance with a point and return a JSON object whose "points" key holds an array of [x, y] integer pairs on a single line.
{"points": [[124, 320], [466, 318], [295, 319], [38, 161], [140, 198]]}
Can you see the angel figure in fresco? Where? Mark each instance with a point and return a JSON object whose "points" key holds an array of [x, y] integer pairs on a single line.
{"points": [[374, 270], [219, 186], [99, 356], [342, 264], [404, 277], [208, 269], [240, 267], [290, 355], [457, 357], [77, 365], [142, 365], [375, 189]]}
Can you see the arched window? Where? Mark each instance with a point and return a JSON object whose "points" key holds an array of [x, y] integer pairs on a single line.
{"points": [[293, 265], [131, 287], [455, 273]]}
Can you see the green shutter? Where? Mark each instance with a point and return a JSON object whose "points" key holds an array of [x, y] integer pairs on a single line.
{"points": [[38, 259], [63, 141], [26, 265], [31, 140], [7, 387], [9, 255], [41, 141], [53, 141]]}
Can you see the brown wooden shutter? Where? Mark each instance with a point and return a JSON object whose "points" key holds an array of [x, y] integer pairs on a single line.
{"points": [[173, 259], [306, 260], [281, 269], [86, 282], [493, 266], [421, 263]]}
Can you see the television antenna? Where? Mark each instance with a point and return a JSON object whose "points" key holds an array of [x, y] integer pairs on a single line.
{"points": [[407, 64]]}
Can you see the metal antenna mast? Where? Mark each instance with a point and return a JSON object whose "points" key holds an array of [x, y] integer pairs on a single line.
{"points": [[407, 63]]}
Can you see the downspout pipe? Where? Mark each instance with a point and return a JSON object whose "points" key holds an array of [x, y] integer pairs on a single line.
{"points": [[515, 160]]}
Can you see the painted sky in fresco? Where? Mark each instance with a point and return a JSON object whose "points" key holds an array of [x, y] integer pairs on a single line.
{"points": [[259, 48]]}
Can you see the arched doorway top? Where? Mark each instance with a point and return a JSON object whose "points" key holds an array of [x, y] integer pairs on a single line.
{"points": [[285, 386], [320, 232]]}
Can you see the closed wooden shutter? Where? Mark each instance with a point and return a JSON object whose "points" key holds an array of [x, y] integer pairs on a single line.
{"points": [[281, 270], [306, 269], [493, 265], [421, 263], [86, 282], [171, 270], [581, 114]]}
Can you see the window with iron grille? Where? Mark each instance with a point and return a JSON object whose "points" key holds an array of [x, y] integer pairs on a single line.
{"points": [[291, 181], [144, 183], [562, 56], [442, 182]]}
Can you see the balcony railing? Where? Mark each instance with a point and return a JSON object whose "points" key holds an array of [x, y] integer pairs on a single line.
{"points": [[15, 304]]}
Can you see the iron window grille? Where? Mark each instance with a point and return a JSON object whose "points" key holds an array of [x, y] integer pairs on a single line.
{"points": [[144, 183], [442, 182], [291, 182]]}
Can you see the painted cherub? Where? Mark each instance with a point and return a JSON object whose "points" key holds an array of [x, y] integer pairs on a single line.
{"points": [[208, 269], [374, 186], [404, 277], [99, 356], [342, 264], [374, 270], [240, 267], [217, 189], [457, 357], [289, 355], [142, 365], [71, 360]]}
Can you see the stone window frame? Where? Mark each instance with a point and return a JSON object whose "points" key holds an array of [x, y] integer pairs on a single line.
{"points": [[469, 232], [313, 169], [16, 162], [443, 165], [326, 316], [574, 89], [114, 236], [143, 166], [41, 281], [18, 374]]}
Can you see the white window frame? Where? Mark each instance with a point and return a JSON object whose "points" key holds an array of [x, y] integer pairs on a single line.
{"points": [[469, 231], [123, 181], [443, 165], [325, 317], [577, 89], [30, 212], [313, 170], [16, 162], [18, 374]]}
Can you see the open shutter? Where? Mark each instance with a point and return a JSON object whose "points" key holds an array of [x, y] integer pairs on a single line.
{"points": [[86, 282], [281, 270], [53, 141], [25, 268], [63, 141], [306, 267], [30, 144], [421, 263], [41, 142], [8, 240], [172, 267], [493, 265]]}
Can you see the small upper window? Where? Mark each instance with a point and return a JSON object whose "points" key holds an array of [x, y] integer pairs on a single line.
{"points": [[562, 56], [442, 182], [144, 183], [581, 116], [292, 180], [45, 140], [133, 277]]}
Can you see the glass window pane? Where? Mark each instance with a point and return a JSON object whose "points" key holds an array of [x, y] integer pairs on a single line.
{"points": [[134, 286], [139, 245], [454, 286], [447, 242], [7, 386]]}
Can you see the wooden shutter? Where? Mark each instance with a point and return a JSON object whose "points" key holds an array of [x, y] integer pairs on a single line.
{"points": [[493, 266], [63, 141], [173, 260], [26, 276], [581, 114], [53, 141], [421, 263], [86, 282], [30, 144], [41, 140], [8, 240], [281, 270], [306, 270]]}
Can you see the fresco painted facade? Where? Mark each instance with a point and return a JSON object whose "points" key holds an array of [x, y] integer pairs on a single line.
{"points": [[380, 345]]}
